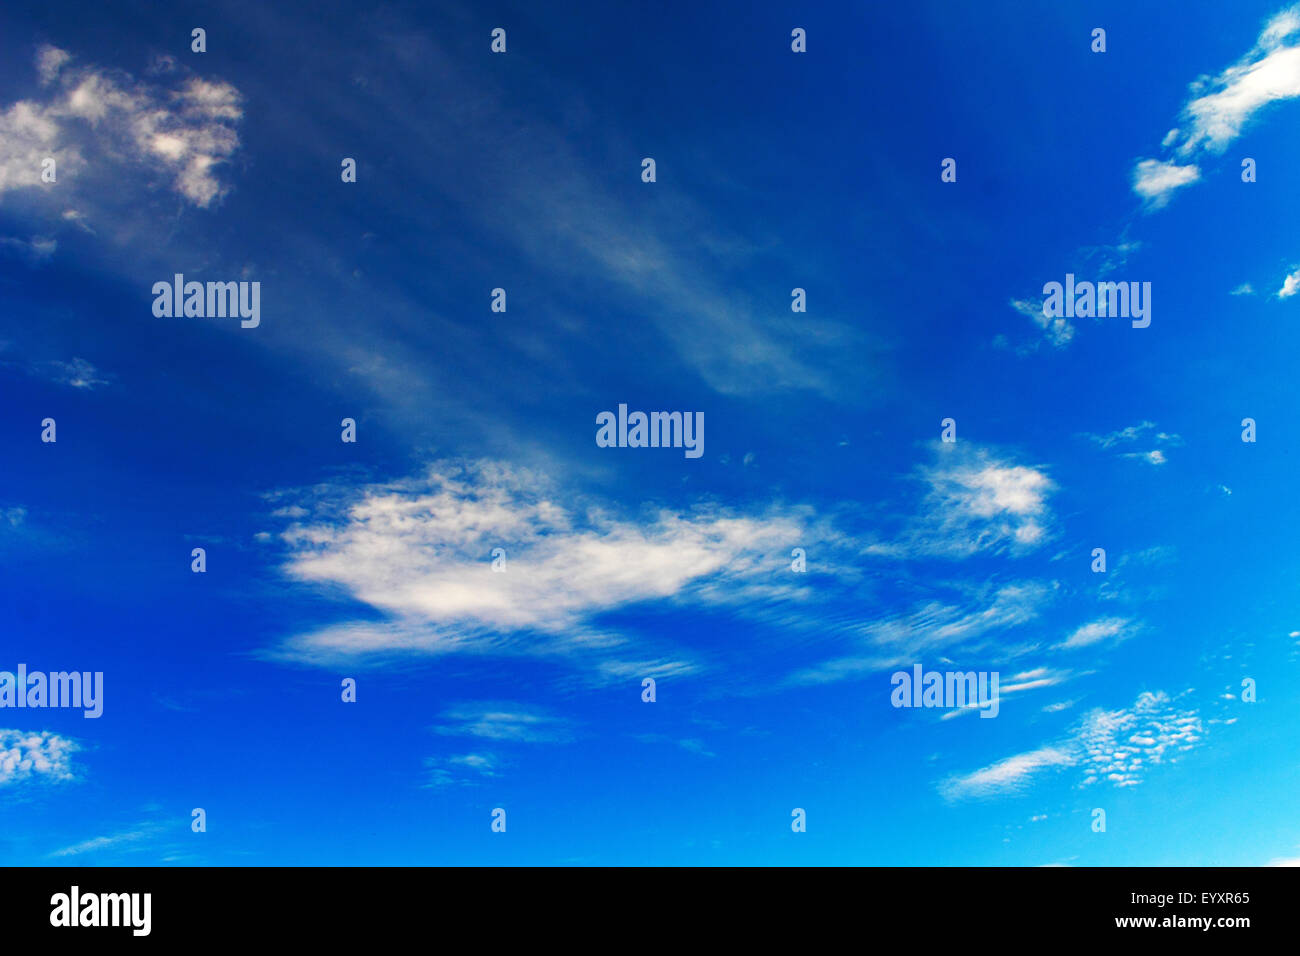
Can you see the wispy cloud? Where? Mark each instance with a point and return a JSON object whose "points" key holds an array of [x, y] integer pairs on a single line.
{"points": [[1143, 432], [506, 722], [33, 251], [1112, 746], [1153, 457], [125, 838], [76, 374], [1006, 775], [976, 502], [1097, 631], [1222, 105], [931, 627], [462, 768], [420, 552], [1057, 332]]}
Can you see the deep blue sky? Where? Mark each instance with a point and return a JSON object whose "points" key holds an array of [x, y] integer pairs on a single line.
{"points": [[522, 690]]}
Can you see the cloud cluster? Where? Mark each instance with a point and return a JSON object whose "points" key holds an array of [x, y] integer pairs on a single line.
{"points": [[421, 553], [1142, 433], [88, 120], [35, 754], [1115, 746]]}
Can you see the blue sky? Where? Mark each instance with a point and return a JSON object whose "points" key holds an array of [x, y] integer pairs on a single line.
{"points": [[476, 430]]}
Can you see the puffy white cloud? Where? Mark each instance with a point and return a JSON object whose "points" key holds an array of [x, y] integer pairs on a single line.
{"points": [[1155, 181], [1290, 285], [96, 123], [35, 754]]}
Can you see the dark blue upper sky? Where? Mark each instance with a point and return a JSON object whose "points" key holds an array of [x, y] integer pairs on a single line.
{"points": [[521, 689]]}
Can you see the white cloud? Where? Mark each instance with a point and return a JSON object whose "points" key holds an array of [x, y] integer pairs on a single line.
{"points": [[1006, 775], [89, 120], [49, 60], [78, 374], [493, 721], [1222, 105], [1270, 72], [1244, 289], [144, 831], [1133, 433], [980, 503], [1096, 631], [461, 768], [1057, 331], [1127, 434], [28, 754], [420, 553], [1155, 181], [1153, 457], [904, 639], [975, 502], [1290, 285], [1117, 747]]}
